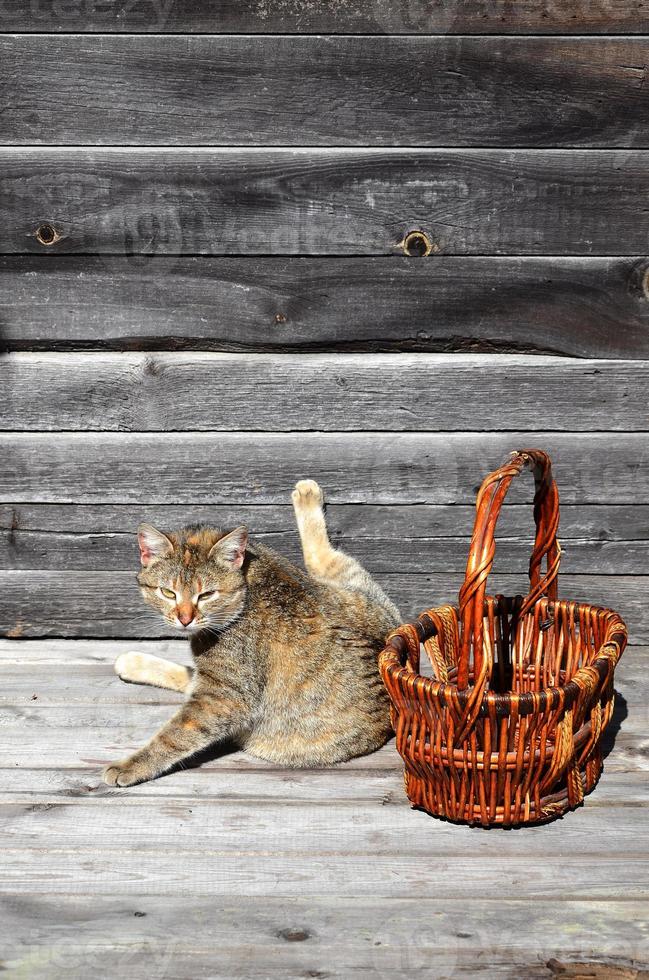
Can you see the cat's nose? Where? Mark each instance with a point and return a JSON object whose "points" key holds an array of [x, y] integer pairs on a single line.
{"points": [[185, 615]]}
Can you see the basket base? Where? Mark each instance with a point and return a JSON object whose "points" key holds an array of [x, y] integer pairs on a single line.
{"points": [[544, 810]]}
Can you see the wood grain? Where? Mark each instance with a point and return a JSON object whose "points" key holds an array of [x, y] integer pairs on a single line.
{"points": [[129, 873], [101, 717], [170, 392], [303, 830], [366, 787], [85, 652], [80, 672], [74, 736], [380, 553], [515, 927], [590, 307], [32, 654], [348, 523], [323, 91], [80, 738], [204, 468], [108, 604], [292, 938], [254, 963], [328, 17], [328, 202], [70, 661], [240, 869]]}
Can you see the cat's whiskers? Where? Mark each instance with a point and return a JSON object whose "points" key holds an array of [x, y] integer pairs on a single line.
{"points": [[325, 693]]}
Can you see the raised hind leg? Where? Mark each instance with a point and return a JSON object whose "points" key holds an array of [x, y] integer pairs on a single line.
{"points": [[322, 560], [143, 668]]}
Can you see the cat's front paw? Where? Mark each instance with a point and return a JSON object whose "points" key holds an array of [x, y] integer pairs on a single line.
{"points": [[124, 773], [129, 667], [307, 494]]}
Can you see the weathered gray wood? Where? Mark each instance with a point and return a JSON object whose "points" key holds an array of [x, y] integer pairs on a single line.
{"points": [[241, 869], [26, 528], [327, 17], [163, 392], [83, 738], [255, 787], [86, 652], [365, 787], [122, 862], [77, 684], [128, 872], [393, 961], [380, 553], [80, 737], [300, 829], [270, 936], [351, 91], [205, 468], [33, 654], [72, 680], [329, 202], [96, 683], [108, 604], [243, 962], [511, 925], [588, 307]]}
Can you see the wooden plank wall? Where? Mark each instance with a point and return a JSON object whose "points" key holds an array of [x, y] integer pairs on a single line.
{"points": [[206, 292]]}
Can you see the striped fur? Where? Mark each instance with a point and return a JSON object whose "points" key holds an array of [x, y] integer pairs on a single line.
{"points": [[285, 661]]}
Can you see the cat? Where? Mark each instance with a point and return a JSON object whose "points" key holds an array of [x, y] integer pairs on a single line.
{"points": [[285, 662]]}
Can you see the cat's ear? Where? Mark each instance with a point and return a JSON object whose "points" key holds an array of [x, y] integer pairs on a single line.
{"points": [[231, 548], [153, 544]]}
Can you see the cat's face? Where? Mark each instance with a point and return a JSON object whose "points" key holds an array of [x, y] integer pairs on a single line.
{"points": [[193, 577]]}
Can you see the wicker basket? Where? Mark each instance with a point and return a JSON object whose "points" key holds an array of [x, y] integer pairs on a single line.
{"points": [[509, 729]]}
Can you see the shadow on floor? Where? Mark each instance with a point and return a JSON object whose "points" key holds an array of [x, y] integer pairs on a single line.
{"points": [[222, 749], [620, 713], [217, 751]]}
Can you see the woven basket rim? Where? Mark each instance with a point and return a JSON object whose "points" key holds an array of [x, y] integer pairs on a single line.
{"points": [[394, 662]]}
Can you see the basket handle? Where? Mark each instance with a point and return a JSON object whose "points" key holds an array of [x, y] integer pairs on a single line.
{"points": [[481, 555]]}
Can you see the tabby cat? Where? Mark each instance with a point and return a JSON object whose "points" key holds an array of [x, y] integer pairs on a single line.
{"points": [[285, 662]]}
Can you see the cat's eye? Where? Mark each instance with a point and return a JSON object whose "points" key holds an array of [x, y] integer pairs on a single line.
{"points": [[206, 595], [168, 593]]}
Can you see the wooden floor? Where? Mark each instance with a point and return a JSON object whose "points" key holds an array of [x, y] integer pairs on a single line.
{"points": [[239, 869]]}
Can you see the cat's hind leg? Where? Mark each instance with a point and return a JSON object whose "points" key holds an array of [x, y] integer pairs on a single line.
{"points": [[322, 560], [325, 562], [143, 668]]}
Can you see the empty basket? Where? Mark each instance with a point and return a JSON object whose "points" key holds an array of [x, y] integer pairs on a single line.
{"points": [[509, 729]]}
